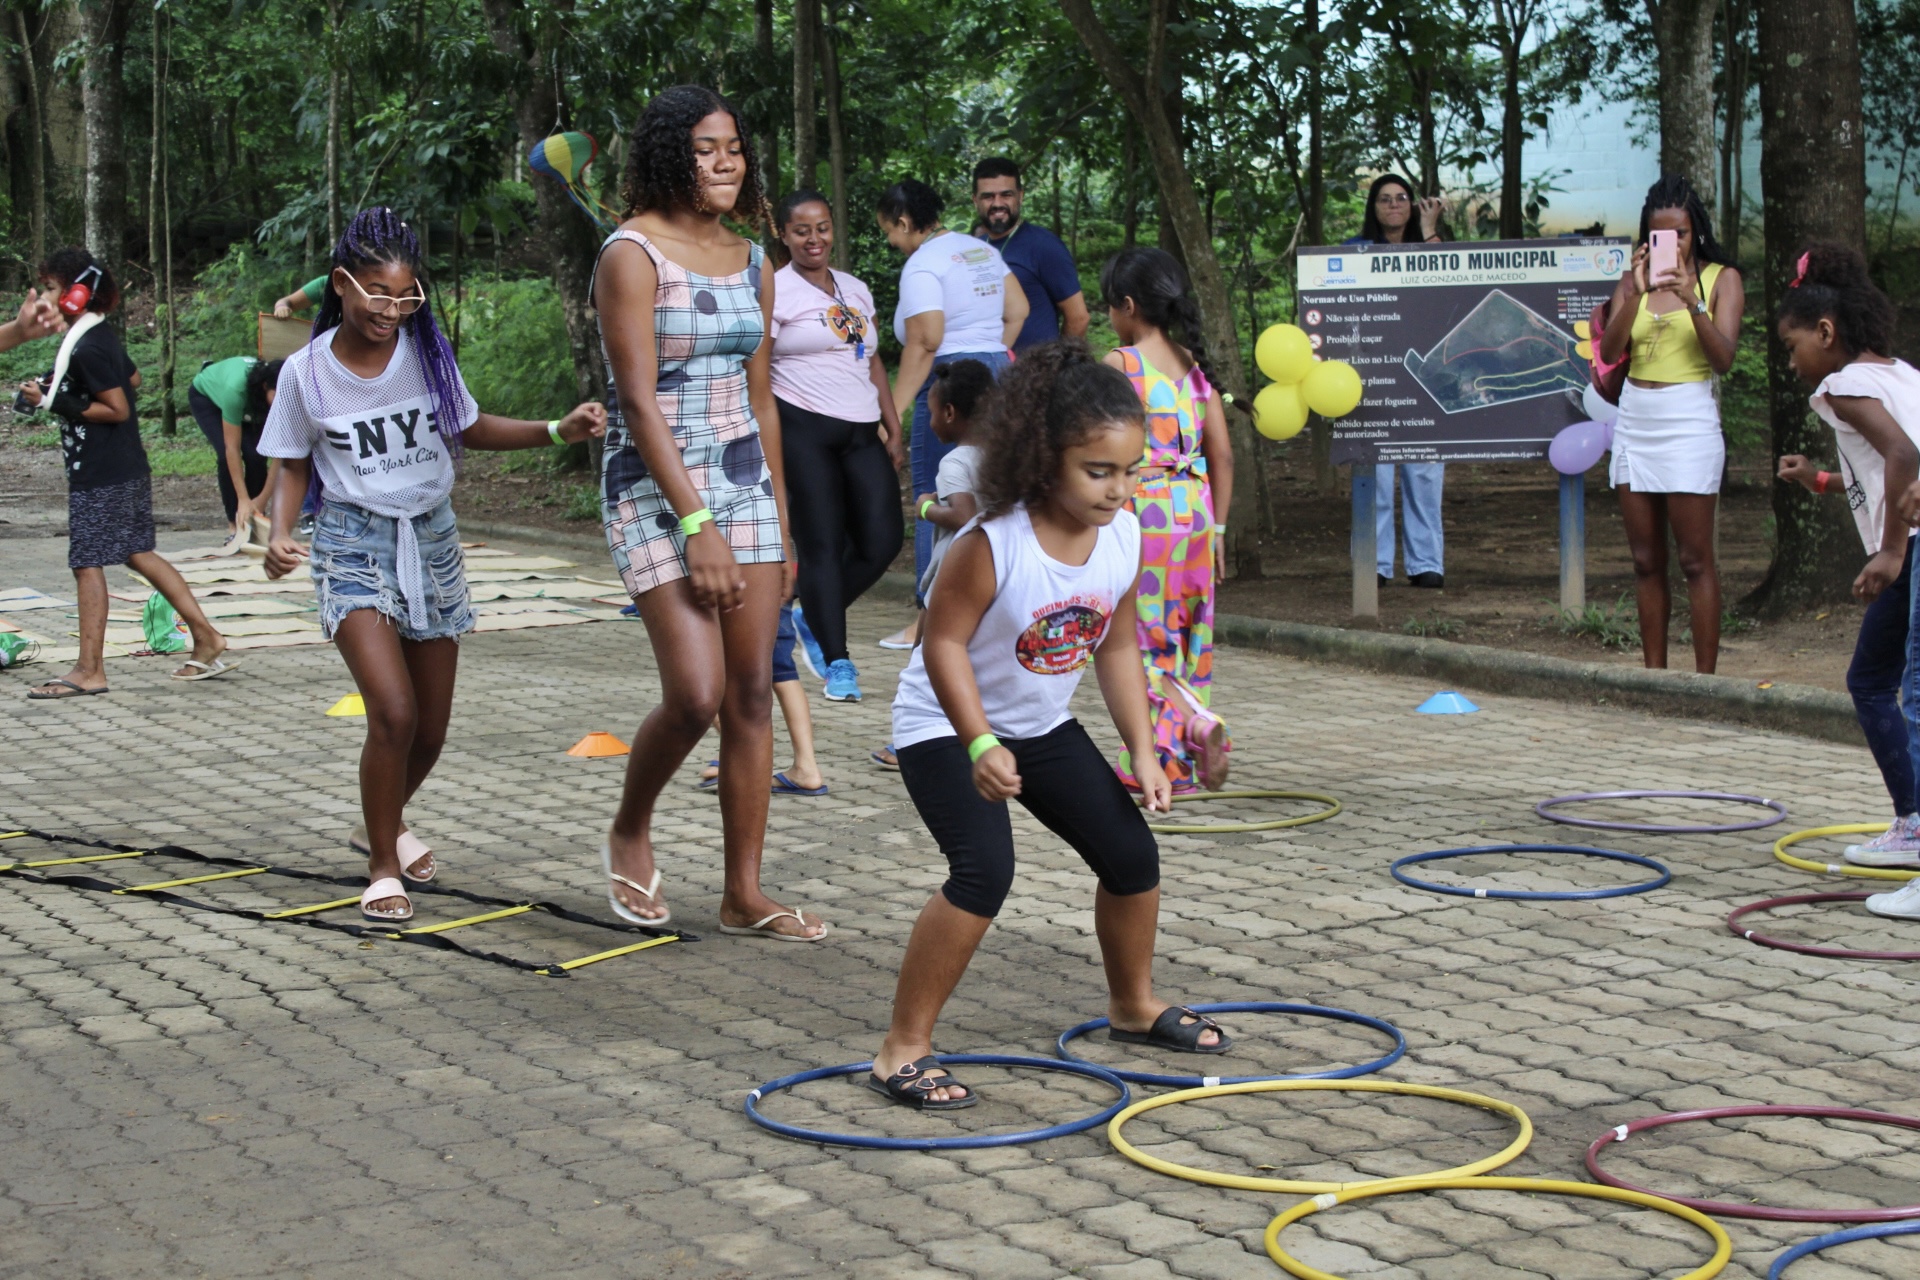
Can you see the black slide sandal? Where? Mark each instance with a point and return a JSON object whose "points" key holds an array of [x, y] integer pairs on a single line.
{"points": [[1169, 1032], [911, 1085]]}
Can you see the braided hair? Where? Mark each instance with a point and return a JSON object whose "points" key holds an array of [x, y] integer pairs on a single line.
{"points": [[1674, 192], [1054, 397], [1833, 284], [662, 173], [379, 235], [1161, 293]]}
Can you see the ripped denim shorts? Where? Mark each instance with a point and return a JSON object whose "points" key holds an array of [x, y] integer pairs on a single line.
{"points": [[356, 566]]}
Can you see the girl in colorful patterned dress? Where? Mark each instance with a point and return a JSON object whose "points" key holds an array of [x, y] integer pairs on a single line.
{"points": [[1185, 489], [693, 494]]}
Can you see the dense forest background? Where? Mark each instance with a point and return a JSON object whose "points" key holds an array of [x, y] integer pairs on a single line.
{"points": [[211, 149]]}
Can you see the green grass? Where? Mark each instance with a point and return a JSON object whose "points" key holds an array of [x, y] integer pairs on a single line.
{"points": [[183, 455], [1436, 628], [1615, 628]]}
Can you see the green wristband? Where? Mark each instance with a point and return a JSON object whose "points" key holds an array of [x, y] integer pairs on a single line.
{"points": [[980, 746], [690, 525], [553, 429], [923, 507]]}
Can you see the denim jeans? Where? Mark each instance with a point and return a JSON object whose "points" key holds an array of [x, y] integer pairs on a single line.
{"points": [[1885, 686], [925, 452], [1426, 549]]}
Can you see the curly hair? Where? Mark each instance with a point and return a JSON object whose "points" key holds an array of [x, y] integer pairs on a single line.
{"points": [[913, 200], [662, 173], [1834, 285], [379, 235], [69, 264], [964, 386], [1056, 396], [1674, 192], [1161, 293], [262, 376]]}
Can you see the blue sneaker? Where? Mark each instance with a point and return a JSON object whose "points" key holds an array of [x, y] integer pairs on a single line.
{"points": [[843, 682], [810, 652]]}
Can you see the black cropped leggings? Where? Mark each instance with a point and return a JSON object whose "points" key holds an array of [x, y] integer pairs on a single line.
{"points": [[1064, 781], [843, 500]]}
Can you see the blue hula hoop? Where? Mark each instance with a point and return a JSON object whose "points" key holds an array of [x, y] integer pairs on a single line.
{"points": [[1394, 1055], [1832, 1238], [961, 1143], [1568, 895]]}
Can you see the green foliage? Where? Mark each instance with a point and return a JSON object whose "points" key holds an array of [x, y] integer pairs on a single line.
{"points": [[1617, 627], [1432, 627], [513, 346]]}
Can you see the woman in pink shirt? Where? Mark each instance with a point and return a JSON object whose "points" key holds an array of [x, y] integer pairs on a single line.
{"points": [[839, 434]]}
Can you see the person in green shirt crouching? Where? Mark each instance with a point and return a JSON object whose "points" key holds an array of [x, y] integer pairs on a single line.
{"points": [[229, 399]]}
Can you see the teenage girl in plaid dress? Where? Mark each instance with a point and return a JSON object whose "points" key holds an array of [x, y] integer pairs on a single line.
{"points": [[693, 496]]}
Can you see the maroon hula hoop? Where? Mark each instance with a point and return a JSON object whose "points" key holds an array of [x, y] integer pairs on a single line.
{"points": [[1766, 1213], [1805, 948]]}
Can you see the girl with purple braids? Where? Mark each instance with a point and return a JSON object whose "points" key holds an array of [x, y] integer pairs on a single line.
{"points": [[375, 409]]}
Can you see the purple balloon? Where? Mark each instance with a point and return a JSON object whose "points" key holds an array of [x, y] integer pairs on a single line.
{"points": [[1579, 446]]}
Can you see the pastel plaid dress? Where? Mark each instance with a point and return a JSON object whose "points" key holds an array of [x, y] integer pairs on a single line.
{"points": [[1174, 596], [705, 328]]}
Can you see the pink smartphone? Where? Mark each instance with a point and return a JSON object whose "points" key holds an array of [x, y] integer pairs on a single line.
{"points": [[1663, 254]]}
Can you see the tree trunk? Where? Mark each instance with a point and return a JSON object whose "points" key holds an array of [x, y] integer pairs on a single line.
{"points": [[1683, 34], [169, 344], [806, 147], [37, 127], [569, 237], [1511, 20], [1180, 205], [157, 146], [1737, 14], [768, 142], [103, 95], [1316, 210], [1129, 188], [1813, 176], [836, 149], [334, 89]]}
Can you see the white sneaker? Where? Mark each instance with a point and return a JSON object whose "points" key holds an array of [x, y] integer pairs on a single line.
{"points": [[1902, 904], [1897, 846]]}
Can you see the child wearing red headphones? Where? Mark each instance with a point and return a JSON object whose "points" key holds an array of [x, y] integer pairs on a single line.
{"points": [[109, 485]]}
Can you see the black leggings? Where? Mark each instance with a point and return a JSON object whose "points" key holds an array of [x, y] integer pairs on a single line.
{"points": [[843, 499], [213, 427], [1064, 781]]}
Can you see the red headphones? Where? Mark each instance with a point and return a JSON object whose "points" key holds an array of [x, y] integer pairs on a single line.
{"points": [[78, 294]]}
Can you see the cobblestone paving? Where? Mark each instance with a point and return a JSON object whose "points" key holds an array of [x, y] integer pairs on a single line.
{"points": [[186, 1094]]}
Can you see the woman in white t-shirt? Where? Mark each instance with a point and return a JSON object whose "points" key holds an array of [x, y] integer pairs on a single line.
{"points": [[839, 433], [1837, 328], [958, 301], [375, 408]]}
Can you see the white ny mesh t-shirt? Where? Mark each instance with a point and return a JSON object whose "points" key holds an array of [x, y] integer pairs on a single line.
{"points": [[375, 442]]}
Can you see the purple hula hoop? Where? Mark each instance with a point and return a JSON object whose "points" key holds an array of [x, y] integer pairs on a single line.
{"points": [[1807, 948], [1737, 1209], [1545, 807]]}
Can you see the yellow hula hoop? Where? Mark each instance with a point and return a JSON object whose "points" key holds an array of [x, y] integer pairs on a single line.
{"points": [[1212, 828], [1287, 1186], [1837, 868], [1722, 1246]]}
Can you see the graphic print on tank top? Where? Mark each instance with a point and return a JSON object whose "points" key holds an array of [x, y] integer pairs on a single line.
{"points": [[1062, 637], [387, 450]]}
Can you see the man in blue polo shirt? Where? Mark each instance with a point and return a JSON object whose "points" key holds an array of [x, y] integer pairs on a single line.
{"points": [[1055, 308]]}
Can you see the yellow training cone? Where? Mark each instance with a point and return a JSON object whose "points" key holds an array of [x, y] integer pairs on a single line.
{"points": [[597, 744], [351, 705]]}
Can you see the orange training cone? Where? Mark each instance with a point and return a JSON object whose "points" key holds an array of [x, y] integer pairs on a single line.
{"points": [[597, 744]]}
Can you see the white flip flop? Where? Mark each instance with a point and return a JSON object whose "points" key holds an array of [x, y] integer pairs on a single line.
{"points": [[410, 847], [385, 887], [651, 890], [759, 928], [207, 671]]}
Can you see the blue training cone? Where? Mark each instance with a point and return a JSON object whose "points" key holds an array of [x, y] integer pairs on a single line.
{"points": [[1446, 703]]}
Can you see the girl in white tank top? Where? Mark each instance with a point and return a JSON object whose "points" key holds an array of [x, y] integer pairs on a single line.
{"points": [[1031, 594]]}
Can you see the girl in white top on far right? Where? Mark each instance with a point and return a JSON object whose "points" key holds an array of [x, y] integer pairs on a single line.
{"points": [[1837, 328], [1033, 591]]}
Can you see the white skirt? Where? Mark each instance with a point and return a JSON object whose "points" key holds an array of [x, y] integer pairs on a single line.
{"points": [[1668, 439]]}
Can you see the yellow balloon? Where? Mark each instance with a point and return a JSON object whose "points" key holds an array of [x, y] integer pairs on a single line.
{"points": [[1279, 412], [1284, 353], [1332, 389]]}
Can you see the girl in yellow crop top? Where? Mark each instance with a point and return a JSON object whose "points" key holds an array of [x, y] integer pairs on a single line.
{"points": [[1668, 449]]}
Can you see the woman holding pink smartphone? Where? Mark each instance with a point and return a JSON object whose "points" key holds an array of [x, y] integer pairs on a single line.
{"points": [[1677, 315]]}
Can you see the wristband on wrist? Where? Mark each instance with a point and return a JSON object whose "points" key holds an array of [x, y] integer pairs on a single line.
{"points": [[980, 746], [1821, 479], [690, 524], [553, 429], [923, 507]]}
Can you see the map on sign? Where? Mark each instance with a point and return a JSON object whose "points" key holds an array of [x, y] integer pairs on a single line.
{"points": [[1501, 351]]}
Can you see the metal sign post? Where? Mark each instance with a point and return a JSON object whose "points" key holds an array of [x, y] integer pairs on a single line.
{"points": [[1573, 543], [1366, 580]]}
